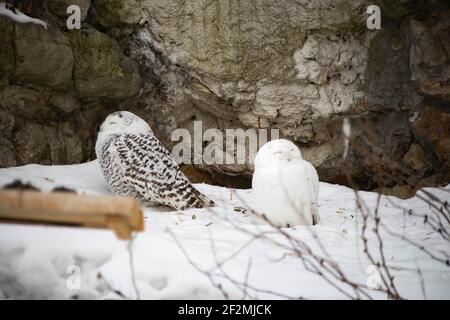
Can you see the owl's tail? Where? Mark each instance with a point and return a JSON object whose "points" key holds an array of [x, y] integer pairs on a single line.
{"points": [[200, 200], [187, 197]]}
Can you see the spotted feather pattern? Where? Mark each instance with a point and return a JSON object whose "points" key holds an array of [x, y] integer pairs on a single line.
{"points": [[138, 165]]}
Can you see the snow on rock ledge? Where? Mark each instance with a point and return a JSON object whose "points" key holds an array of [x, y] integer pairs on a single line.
{"points": [[18, 16]]}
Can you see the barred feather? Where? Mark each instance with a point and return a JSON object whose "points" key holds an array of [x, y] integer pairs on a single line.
{"points": [[135, 163]]}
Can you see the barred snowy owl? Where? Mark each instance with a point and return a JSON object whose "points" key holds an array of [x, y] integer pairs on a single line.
{"points": [[285, 187], [136, 164]]}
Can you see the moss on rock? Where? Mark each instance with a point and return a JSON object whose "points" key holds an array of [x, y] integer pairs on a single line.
{"points": [[43, 57], [6, 50], [99, 71]]}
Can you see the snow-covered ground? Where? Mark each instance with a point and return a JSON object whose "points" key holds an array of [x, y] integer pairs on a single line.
{"points": [[48, 262]]}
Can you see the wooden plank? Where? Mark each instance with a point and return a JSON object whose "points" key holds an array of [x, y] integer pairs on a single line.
{"points": [[121, 214]]}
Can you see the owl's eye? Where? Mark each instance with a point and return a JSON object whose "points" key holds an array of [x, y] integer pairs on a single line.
{"points": [[112, 122]]}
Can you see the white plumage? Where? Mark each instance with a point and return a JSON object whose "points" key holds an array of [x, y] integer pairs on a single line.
{"points": [[135, 163], [285, 186]]}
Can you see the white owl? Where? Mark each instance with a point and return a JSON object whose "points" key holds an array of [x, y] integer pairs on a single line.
{"points": [[285, 187], [134, 163]]}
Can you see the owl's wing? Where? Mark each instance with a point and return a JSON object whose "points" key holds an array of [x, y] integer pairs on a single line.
{"points": [[156, 175], [118, 166]]}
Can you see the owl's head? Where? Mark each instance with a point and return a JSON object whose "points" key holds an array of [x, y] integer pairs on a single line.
{"points": [[276, 151], [124, 122]]}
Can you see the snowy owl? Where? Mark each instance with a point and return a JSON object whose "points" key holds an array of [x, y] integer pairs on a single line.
{"points": [[285, 187], [136, 164]]}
